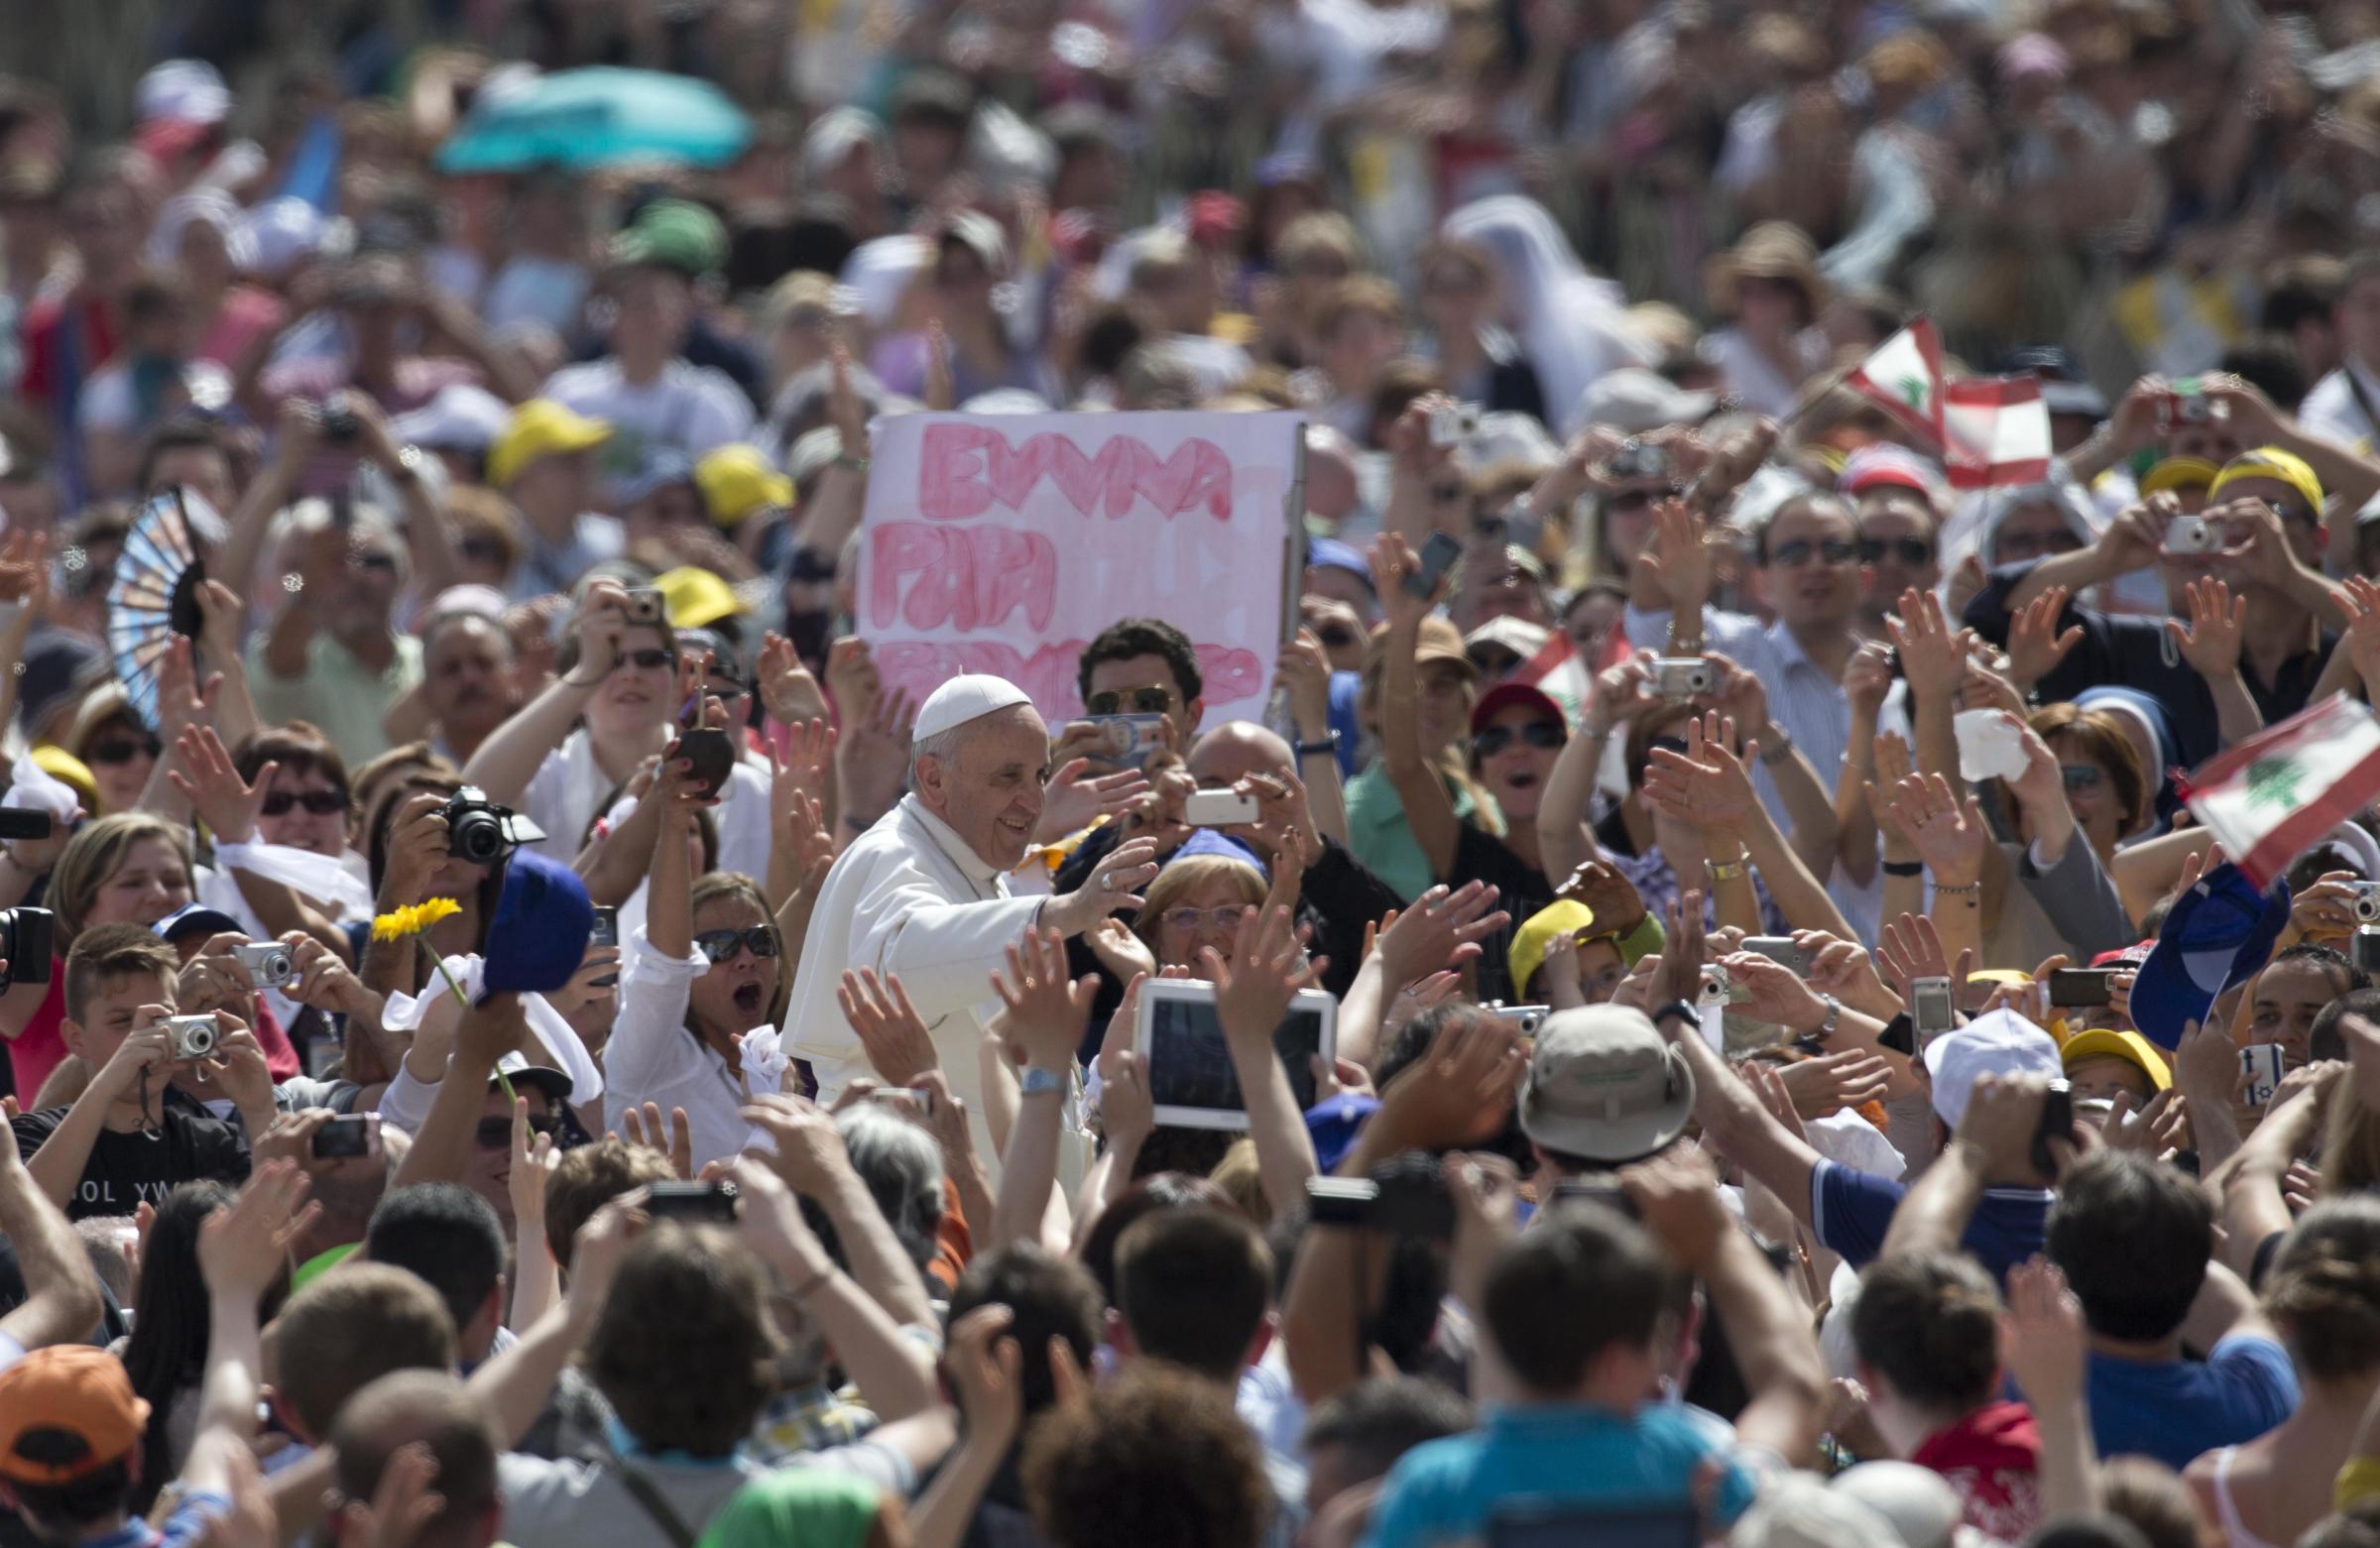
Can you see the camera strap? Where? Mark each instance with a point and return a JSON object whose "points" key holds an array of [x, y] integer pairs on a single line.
{"points": [[150, 1122]]}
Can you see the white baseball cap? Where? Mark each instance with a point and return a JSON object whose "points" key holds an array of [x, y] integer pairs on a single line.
{"points": [[969, 696], [2002, 1043]]}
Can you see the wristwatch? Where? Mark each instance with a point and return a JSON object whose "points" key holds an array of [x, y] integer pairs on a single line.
{"points": [[1775, 746], [1832, 1019], [1329, 744], [1037, 1080], [1680, 1008], [1728, 870]]}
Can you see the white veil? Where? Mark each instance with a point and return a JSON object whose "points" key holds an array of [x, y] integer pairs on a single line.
{"points": [[1572, 323]]}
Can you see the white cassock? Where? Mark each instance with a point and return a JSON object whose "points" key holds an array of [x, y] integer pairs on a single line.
{"points": [[910, 898]]}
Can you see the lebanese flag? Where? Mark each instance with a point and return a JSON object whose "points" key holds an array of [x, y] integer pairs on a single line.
{"points": [[1996, 431], [2282, 789], [1904, 379]]}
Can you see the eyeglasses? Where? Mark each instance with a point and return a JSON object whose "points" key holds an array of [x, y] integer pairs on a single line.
{"points": [[1543, 735], [2082, 776], [375, 561], [2290, 511], [1144, 701], [649, 660], [123, 750], [1800, 551], [720, 945], [1188, 920], [1337, 637], [497, 1133], [322, 804], [1637, 499], [485, 550], [1912, 552]]}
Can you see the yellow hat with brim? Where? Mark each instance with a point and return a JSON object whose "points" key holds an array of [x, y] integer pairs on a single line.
{"points": [[2177, 473], [1529, 942], [737, 480], [697, 597], [71, 771], [2131, 1047], [2272, 462], [541, 428], [2012, 977]]}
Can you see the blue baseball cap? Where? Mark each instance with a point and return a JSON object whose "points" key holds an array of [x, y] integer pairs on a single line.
{"points": [[2215, 937], [1331, 553], [538, 937], [1206, 841], [190, 918]]}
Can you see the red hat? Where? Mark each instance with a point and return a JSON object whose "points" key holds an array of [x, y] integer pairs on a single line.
{"points": [[1214, 218], [1504, 695]]}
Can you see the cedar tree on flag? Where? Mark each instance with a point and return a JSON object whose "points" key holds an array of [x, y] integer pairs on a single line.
{"points": [[1904, 379], [2271, 796]]}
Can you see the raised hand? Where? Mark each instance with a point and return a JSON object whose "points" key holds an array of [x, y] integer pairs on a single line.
{"points": [[1951, 837], [1911, 949], [2043, 1342], [533, 1161], [1460, 1090], [1704, 787], [985, 1367], [1866, 680], [1833, 1080], [1047, 1012], [1680, 557], [2210, 640], [1115, 883], [675, 1142], [2035, 644], [243, 1246], [1392, 562], [1304, 675], [890, 1031], [788, 692], [1269, 966], [2362, 604], [1610, 896], [1124, 954], [214, 787], [1442, 929], [875, 757], [1621, 693], [1847, 970], [1933, 655], [1075, 799], [1777, 993]]}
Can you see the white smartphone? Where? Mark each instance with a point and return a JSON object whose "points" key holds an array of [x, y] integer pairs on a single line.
{"points": [[1218, 808], [1190, 1075], [2261, 1066]]}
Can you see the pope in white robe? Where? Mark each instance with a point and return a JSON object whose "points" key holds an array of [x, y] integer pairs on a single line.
{"points": [[923, 894]]}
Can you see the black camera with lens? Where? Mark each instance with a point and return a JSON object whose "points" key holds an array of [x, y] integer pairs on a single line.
{"points": [[1403, 1197], [340, 426], [28, 941], [480, 831]]}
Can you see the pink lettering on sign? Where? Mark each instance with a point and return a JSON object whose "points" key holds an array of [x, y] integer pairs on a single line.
{"points": [[968, 577], [966, 469], [1231, 674]]}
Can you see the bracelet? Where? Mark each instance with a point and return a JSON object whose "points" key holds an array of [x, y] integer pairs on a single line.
{"points": [[1329, 744], [1904, 867], [1681, 1009], [1728, 870], [1036, 1080], [1693, 647], [1775, 752], [1971, 887], [856, 465]]}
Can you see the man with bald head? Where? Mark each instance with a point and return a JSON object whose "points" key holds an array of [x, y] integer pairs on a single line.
{"points": [[924, 893]]}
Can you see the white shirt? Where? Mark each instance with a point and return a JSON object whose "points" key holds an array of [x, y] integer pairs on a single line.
{"points": [[653, 1057], [692, 407], [909, 896], [567, 791], [2332, 410]]}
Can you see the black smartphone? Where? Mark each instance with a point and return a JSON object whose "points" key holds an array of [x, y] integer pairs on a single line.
{"points": [[348, 1134], [1438, 555], [2057, 1123], [22, 822], [712, 754], [693, 1202], [2082, 988]]}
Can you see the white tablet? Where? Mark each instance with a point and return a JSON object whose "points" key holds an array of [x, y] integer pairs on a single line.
{"points": [[1190, 1074]]}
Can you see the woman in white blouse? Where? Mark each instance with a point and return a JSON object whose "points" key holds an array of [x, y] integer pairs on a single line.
{"points": [[611, 707], [708, 966]]}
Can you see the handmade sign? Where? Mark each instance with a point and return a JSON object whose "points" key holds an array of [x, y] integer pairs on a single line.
{"points": [[1004, 544]]}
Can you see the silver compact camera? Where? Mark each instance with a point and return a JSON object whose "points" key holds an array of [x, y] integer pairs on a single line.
{"points": [[2191, 535], [2367, 903], [193, 1037], [646, 605], [1680, 677], [267, 962], [1455, 426]]}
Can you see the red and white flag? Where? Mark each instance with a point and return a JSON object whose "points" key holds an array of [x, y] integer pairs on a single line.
{"points": [[1996, 431], [1904, 379], [2270, 798]]}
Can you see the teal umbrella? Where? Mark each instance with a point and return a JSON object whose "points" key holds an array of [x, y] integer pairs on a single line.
{"points": [[583, 119]]}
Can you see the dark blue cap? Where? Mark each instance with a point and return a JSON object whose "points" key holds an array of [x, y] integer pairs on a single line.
{"points": [[538, 937]]}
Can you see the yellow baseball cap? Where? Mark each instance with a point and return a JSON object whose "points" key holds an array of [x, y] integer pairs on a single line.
{"points": [[2177, 473], [737, 480], [541, 428], [2272, 462], [1565, 917], [695, 597], [2131, 1047]]}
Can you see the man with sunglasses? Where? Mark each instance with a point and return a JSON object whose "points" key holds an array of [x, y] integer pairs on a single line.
{"points": [[1137, 666], [1900, 527]]}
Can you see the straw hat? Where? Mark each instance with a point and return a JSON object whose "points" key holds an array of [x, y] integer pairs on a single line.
{"points": [[1771, 250]]}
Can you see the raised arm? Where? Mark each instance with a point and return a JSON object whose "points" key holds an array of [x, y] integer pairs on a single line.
{"points": [[1955, 846], [63, 1303], [442, 1147], [2130, 543], [145, 1057], [1995, 1139], [513, 752], [1252, 998], [1429, 810], [243, 1250], [1934, 665], [2211, 643], [1807, 806], [812, 1161], [1564, 839], [1048, 1014]]}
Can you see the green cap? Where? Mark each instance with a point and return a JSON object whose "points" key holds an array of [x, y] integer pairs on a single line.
{"points": [[673, 235]]}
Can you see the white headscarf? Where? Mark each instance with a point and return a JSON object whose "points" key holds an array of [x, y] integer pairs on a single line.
{"points": [[1573, 323]]}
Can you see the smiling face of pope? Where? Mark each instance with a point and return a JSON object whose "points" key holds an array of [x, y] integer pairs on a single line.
{"points": [[987, 783]]}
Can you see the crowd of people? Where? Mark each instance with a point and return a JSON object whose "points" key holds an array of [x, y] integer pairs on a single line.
{"points": [[1703, 1009]]}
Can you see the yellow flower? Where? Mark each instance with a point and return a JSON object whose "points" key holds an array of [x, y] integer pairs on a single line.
{"points": [[401, 922]]}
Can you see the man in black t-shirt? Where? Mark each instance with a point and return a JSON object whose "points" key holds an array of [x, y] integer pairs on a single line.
{"points": [[130, 1138]]}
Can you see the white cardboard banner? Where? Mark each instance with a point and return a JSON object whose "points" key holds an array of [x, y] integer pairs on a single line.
{"points": [[1004, 544]]}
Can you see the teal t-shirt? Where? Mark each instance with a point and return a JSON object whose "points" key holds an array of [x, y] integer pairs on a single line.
{"points": [[1379, 837]]}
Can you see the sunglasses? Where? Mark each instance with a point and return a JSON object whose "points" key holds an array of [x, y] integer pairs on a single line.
{"points": [[1543, 735], [322, 804], [2082, 776], [1142, 702], [649, 659], [123, 751], [1187, 920], [1337, 637], [1639, 499], [1800, 551], [385, 562], [497, 1133], [721, 945], [1912, 552], [485, 550]]}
